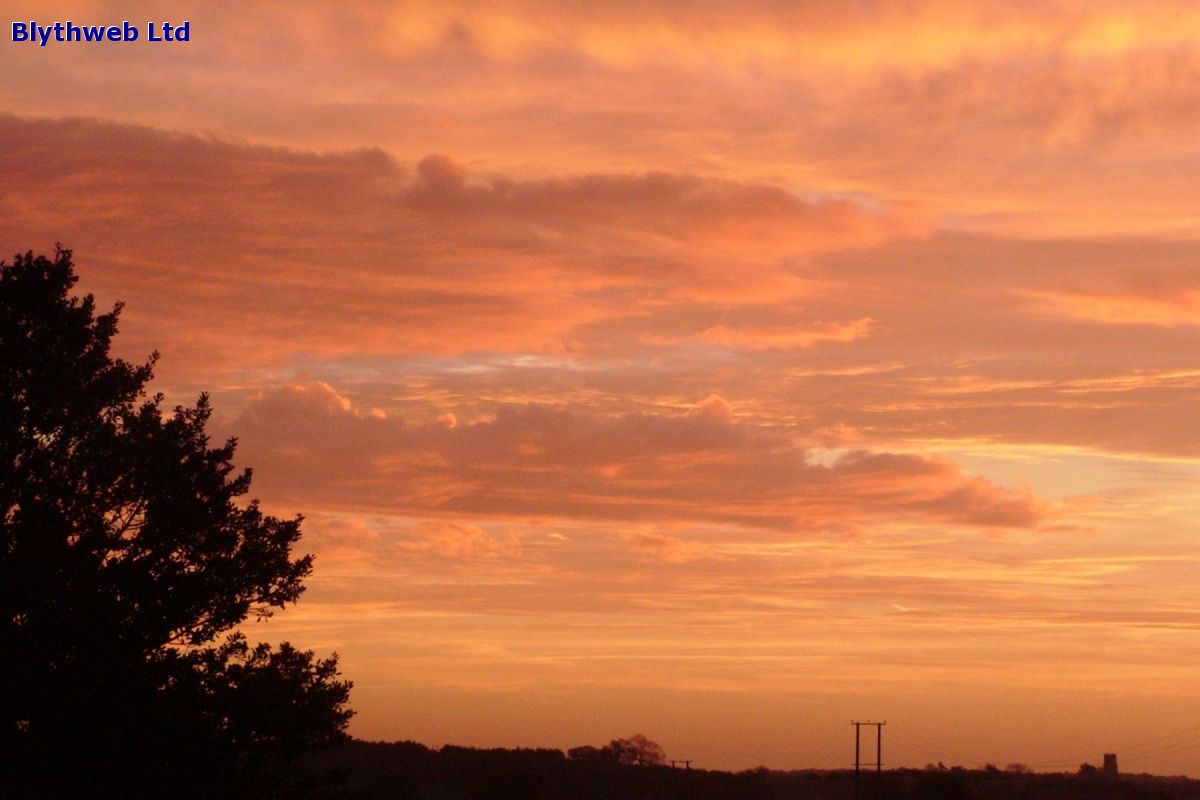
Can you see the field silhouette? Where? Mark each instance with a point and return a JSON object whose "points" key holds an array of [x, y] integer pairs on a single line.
{"points": [[410, 771]]}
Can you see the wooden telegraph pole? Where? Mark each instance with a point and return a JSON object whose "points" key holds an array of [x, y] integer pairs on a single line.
{"points": [[858, 753]]}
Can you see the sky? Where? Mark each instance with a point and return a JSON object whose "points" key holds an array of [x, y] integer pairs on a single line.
{"points": [[718, 372]]}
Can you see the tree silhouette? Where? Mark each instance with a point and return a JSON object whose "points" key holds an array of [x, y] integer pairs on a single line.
{"points": [[125, 552], [637, 750]]}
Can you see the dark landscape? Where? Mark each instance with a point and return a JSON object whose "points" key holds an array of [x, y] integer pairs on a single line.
{"points": [[411, 771]]}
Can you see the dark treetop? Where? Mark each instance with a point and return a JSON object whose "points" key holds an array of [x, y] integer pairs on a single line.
{"points": [[124, 553]]}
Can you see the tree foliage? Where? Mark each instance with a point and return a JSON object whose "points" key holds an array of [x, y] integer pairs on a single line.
{"points": [[637, 751], [126, 550]]}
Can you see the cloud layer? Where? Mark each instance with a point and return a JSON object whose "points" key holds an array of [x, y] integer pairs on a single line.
{"points": [[639, 366], [535, 461]]}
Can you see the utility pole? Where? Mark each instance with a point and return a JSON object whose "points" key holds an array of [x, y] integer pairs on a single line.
{"points": [[858, 753]]}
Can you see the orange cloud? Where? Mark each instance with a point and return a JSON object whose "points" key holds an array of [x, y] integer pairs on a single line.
{"points": [[695, 210], [1085, 111], [545, 462], [778, 337], [348, 253], [599, 286]]}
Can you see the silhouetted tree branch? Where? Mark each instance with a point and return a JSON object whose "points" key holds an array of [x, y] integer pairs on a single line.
{"points": [[124, 553]]}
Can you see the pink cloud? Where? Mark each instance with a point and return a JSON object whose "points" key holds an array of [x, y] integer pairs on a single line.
{"points": [[258, 261], [353, 253], [546, 462]]}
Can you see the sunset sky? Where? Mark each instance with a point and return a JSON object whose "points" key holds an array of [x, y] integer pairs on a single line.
{"points": [[721, 372]]}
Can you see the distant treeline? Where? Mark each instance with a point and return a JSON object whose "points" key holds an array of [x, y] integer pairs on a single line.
{"points": [[410, 771]]}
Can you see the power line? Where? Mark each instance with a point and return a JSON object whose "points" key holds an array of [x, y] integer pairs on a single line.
{"points": [[1138, 745], [1169, 747], [1182, 740], [934, 750], [826, 753]]}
